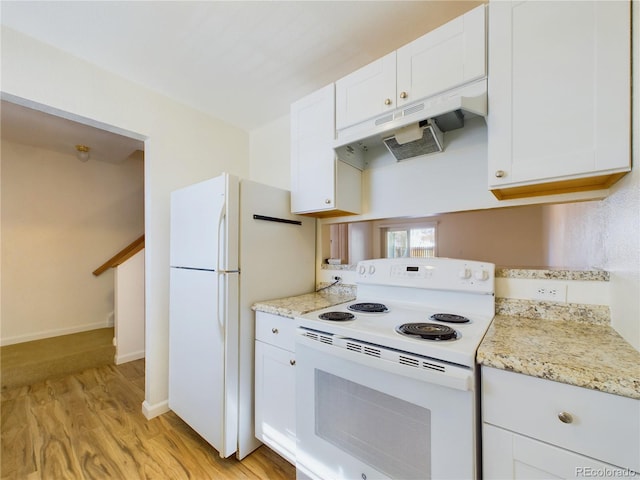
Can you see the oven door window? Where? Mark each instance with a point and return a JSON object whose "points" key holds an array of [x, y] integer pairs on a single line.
{"points": [[380, 430], [357, 417]]}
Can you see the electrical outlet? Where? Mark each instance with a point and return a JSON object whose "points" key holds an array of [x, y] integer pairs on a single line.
{"points": [[555, 293], [337, 279]]}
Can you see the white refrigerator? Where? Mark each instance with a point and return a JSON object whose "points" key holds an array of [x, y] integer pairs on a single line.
{"points": [[233, 242]]}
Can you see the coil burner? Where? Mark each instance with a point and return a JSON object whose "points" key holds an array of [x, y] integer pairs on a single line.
{"points": [[427, 331], [336, 316], [449, 318], [368, 307]]}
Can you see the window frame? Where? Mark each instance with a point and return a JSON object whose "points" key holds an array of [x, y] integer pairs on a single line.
{"points": [[406, 226]]}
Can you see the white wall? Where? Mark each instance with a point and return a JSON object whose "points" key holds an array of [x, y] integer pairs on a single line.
{"points": [[129, 309], [182, 146], [62, 219]]}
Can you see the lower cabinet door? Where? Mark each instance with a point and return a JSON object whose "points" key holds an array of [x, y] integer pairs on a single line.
{"points": [[507, 455], [275, 399]]}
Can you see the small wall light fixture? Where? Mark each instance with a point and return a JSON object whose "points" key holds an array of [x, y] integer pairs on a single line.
{"points": [[82, 152]]}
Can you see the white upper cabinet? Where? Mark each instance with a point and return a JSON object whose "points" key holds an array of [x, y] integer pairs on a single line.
{"points": [[367, 92], [559, 96], [320, 183], [449, 56]]}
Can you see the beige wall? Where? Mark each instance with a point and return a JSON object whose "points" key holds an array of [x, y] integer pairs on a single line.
{"points": [[61, 219], [182, 146], [506, 236], [270, 151]]}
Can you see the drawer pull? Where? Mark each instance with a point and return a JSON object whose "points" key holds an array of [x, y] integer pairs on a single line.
{"points": [[274, 330], [565, 417], [292, 362]]}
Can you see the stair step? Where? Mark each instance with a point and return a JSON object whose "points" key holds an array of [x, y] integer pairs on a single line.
{"points": [[30, 362]]}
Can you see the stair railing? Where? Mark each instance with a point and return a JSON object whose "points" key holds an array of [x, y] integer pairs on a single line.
{"points": [[120, 257]]}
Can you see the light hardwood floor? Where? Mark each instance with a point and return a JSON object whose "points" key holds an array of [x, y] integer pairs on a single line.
{"points": [[89, 425]]}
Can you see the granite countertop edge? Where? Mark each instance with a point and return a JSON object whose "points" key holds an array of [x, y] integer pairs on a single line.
{"points": [[585, 355], [297, 305]]}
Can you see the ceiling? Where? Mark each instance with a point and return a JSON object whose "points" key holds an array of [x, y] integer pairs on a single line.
{"points": [[243, 62], [40, 129]]}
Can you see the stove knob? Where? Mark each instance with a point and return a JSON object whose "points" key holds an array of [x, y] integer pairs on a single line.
{"points": [[464, 273], [361, 269], [481, 275], [372, 269]]}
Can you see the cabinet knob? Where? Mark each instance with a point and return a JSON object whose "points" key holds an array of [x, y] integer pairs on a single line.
{"points": [[404, 94], [565, 417], [387, 101], [274, 330], [500, 173], [292, 362], [327, 201]]}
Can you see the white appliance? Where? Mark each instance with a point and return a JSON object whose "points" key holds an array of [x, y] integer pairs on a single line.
{"points": [[375, 403], [233, 242]]}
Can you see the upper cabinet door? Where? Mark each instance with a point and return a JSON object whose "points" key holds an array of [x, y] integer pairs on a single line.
{"points": [[320, 184], [559, 96], [367, 92], [312, 154], [447, 57]]}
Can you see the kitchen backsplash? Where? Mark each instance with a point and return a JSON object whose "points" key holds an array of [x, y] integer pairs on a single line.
{"points": [[536, 293], [553, 294]]}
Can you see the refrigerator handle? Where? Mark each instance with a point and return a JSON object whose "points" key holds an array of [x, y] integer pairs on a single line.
{"points": [[221, 236], [219, 269], [220, 313]]}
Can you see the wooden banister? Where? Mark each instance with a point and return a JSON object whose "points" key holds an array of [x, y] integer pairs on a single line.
{"points": [[127, 252]]}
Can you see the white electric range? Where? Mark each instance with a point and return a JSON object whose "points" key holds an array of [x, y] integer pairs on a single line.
{"points": [[387, 384]]}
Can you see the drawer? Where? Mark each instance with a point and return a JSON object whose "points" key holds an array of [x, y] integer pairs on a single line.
{"points": [[276, 330], [600, 425]]}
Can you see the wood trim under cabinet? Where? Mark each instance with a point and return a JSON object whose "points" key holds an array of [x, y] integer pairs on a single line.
{"points": [[599, 182]]}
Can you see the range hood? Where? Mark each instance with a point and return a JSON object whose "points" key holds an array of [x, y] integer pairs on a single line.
{"points": [[416, 129]]}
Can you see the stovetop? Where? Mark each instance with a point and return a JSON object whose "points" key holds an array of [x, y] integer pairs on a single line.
{"points": [[380, 329], [445, 286]]}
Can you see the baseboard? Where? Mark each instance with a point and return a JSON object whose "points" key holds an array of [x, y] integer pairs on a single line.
{"points": [[129, 357], [152, 411], [52, 333]]}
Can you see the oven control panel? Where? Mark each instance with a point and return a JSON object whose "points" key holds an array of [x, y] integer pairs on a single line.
{"points": [[430, 273]]}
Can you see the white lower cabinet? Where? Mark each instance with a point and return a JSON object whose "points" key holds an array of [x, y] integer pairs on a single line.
{"points": [[275, 408], [535, 428], [510, 455]]}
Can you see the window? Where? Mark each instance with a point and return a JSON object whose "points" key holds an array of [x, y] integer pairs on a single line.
{"points": [[416, 241]]}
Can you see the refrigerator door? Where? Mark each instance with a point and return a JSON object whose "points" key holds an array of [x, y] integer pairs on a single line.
{"points": [[204, 225], [203, 360]]}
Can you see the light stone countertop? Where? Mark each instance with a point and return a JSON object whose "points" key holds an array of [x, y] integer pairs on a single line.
{"points": [[545, 273], [577, 353], [301, 304]]}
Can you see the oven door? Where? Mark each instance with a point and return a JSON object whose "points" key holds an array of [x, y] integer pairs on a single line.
{"points": [[361, 416]]}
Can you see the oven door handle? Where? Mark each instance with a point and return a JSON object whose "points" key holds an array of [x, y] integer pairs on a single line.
{"points": [[458, 378]]}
